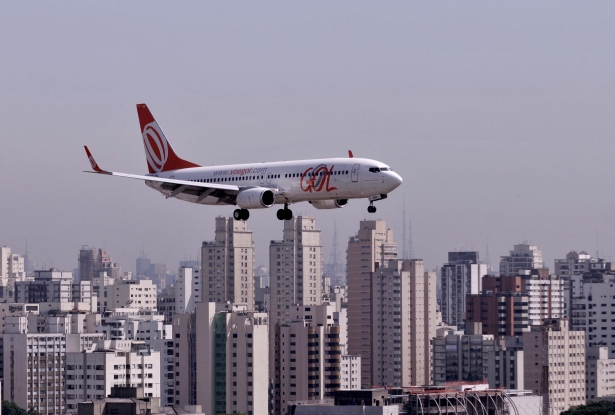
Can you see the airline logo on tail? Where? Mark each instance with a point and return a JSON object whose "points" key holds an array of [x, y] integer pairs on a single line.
{"points": [[158, 151], [156, 147]]}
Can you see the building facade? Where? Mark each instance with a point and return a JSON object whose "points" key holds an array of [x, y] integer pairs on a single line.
{"points": [[523, 257], [403, 307], [461, 276], [373, 244], [227, 266], [554, 365]]}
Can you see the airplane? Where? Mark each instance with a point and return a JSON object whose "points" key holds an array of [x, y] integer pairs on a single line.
{"points": [[325, 183]]}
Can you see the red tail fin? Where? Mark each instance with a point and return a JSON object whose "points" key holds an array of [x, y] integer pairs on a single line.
{"points": [[158, 151]]}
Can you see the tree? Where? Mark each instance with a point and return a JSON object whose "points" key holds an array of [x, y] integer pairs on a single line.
{"points": [[11, 408], [592, 408]]}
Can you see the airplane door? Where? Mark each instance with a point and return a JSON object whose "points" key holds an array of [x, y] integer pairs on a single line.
{"points": [[269, 178], [355, 173], [262, 179]]}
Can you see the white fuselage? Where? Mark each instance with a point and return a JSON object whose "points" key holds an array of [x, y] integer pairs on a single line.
{"points": [[293, 181]]}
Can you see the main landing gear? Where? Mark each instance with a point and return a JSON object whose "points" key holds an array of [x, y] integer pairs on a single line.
{"points": [[285, 214], [371, 208], [241, 214]]}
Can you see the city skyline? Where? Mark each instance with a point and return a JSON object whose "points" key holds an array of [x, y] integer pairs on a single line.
{"points": [[491, 113]]}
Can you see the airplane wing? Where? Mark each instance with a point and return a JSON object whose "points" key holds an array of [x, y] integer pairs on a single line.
{"points": [[224, 192]]}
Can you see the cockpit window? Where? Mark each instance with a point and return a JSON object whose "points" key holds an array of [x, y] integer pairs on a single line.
{"points": [[384, 169], [374, 169]]}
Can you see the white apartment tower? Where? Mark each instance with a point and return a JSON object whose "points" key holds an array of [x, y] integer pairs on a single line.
{"points": [[522, 257], [461, 276], [554, 359], [227, 264], [373, 244], [188, 289], [403, 309], [295, 268], [92, 373]]}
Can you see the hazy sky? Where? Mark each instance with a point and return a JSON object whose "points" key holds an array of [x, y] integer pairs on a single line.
{"points": [[500, 117]]}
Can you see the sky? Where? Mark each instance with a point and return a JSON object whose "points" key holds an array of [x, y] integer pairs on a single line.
{"points": [[499, 116]]}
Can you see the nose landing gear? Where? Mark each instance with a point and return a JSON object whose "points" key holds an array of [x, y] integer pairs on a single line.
{"points": [[285, 214], [371, 208], [241, 214]]}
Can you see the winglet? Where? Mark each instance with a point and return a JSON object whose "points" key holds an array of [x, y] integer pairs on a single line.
{"points": [[350, 155], [93, 162]]}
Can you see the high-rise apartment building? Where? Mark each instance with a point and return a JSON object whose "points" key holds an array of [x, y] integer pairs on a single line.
{"points": [[295, 268], [522, 258], [593, 306], [306, 356], [231, 359], [188, 289], [403, 308], [93, 261], [462, 357], [554, 368], [228, 264], [571, 269], [509, 305], [373, 244], [505, 363], [461, 276]]}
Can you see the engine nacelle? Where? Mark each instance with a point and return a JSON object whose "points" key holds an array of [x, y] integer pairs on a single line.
{"points": [[255, 198], [329, 204]]}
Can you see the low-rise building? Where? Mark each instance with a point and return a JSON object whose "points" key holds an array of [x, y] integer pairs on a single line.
{"points": [[92, 373], [599, 373]]}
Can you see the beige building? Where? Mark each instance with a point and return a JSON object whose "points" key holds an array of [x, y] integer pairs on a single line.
{"points": [[295, 268], [228, 264], [554, 359], [372, 244], [599, 373], [133, 294], [403, 306], [306, 356]]}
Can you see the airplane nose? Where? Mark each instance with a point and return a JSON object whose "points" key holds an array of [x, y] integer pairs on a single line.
{"points": [[396, 180]]}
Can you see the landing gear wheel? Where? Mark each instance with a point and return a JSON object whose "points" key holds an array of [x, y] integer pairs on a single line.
{"points": [[288, 214], [281, 214], [371, 209], [241, 214]]}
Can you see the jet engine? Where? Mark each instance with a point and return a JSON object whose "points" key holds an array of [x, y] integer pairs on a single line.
{"points": [[329, 204], [255, 198]]}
